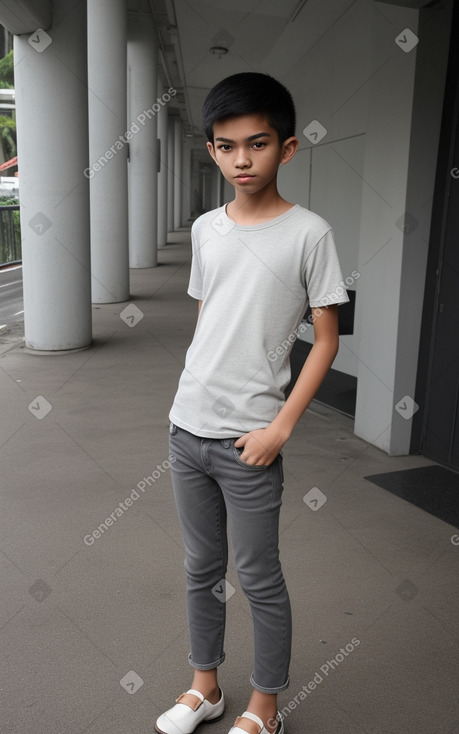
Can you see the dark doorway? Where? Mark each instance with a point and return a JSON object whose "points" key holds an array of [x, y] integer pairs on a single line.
{"points": [[338, 389], [436, 427]]}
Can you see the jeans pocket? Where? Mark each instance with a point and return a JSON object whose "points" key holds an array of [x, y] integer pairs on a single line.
{"points": [[251, 467]]}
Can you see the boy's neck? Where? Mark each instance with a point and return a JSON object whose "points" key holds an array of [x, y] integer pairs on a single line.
{"points": [[256, 208]]}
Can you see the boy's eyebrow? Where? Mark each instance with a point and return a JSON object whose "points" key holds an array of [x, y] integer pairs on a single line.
{"points": [[249, 139]]}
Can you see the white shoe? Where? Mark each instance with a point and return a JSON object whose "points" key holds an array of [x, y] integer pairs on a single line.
{"points": [[191, 708], [253, 725]]}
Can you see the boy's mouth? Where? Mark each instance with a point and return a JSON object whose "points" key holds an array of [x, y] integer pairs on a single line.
{"points": [[243, 176]]}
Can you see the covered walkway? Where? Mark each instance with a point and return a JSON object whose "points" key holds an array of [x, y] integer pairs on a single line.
{"points": [[93, 631]]}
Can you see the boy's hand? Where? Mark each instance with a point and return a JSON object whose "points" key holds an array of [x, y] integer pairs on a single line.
{"points": [[260, 446]]}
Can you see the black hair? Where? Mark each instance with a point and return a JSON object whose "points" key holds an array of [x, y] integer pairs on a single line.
{"points": [[248, 93]]}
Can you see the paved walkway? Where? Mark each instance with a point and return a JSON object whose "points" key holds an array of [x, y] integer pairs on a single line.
{"points": [[92, 623]]}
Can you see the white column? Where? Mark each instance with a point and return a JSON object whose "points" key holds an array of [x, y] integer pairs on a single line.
{"points": [[178, 165], [162, 176], [107, 82], [186, 182], [142, 125], [170, 173], [383, 242], [52, 131]]}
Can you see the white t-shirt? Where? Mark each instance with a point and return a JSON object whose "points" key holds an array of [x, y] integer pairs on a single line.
{"points": [[255, 283]]}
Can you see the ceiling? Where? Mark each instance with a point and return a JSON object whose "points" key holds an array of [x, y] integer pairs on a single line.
{"points": [[270, 36], [258, 35]]}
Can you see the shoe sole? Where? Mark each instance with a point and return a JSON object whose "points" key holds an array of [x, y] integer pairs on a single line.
{"points": [[204, 721]]}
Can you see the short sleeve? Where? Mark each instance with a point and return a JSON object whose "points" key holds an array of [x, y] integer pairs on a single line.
{"points": [[195, 282], [323, 278]]}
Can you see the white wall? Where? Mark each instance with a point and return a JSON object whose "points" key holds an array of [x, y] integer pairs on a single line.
{"points": [[333, 187], [331, 85], [359, 84], [381, 244]]}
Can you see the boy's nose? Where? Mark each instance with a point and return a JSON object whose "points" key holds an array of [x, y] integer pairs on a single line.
{"points": [[242, 161]]}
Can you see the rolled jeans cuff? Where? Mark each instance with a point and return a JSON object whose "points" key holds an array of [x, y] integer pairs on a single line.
{"points": [[262, 689], [206, 666]]}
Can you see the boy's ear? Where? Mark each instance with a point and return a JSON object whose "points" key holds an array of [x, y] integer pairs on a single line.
{"points": [[289, 148], [211, 150]]}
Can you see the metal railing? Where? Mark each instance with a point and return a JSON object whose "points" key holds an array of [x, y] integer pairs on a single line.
{"points": [[10, 234]]}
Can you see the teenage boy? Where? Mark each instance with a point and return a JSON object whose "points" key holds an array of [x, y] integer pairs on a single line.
{"points": [[257, 263]]}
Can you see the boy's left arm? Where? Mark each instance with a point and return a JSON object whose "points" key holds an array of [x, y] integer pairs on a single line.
{"points": [[263, 445]]}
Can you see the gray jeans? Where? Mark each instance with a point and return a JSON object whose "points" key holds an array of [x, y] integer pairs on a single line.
{"points": [[211, 483]]}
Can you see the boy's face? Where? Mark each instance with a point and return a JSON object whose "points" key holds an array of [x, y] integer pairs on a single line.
{"points": [[248, 152]]}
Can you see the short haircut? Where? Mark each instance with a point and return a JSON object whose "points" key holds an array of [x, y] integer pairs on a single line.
{"points": [[250, 93]]}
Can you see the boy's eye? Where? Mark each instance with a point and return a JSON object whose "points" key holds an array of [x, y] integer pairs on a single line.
{"points": [[225, 147]]}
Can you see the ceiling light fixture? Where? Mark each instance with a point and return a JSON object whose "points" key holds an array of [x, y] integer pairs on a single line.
{"points": [[218, 51]]}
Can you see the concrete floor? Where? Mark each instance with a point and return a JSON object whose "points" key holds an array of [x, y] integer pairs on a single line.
{"points": [[93, 637]]}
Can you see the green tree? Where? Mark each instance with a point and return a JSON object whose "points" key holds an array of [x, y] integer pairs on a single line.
{"points": [[7, 71], [8, 137], [7, 123]]}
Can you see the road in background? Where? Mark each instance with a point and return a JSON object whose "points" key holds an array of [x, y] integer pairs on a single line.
{"points": [[11, 298]]}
